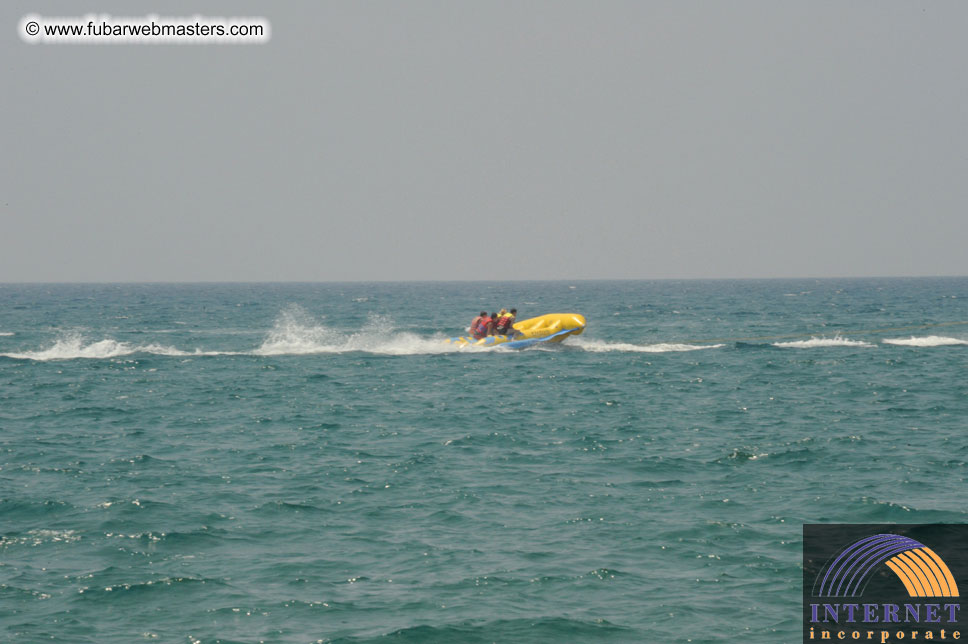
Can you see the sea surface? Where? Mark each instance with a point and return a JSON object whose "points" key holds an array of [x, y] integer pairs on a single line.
{"points": [[312, 463]]}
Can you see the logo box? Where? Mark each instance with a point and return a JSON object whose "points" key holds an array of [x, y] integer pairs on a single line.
{"points": [[884, 582]]}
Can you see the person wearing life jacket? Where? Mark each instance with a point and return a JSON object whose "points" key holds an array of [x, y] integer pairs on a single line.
{"points": [[486, 326], [500, 323], [475, 324], [505, 322]]}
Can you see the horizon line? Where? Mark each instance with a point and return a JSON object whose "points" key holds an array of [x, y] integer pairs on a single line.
{"points": [[467, 281]]}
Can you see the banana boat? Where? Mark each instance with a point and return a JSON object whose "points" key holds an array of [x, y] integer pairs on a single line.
{"points": [[553, 327]]}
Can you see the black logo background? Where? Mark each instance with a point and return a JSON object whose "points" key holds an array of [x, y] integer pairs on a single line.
{"points": [[822, 543]]}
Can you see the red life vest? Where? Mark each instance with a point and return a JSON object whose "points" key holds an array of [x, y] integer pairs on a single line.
{"points": [[504, 322], [482, 326], [474, 326]]}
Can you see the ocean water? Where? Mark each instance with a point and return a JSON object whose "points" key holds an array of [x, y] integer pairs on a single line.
{"points": [[311, 463]]}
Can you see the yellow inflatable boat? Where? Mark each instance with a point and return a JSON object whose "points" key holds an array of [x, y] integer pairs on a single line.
{"points": [[553, 327]]}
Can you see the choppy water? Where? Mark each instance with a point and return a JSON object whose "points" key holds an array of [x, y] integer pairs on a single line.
{"points": [[304, 463]]}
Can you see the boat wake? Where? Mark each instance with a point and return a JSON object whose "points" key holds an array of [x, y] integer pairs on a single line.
{"points": [[600, 346], [814, 343], [73, 346], [927, 341], [297, 333], [293, 333]]}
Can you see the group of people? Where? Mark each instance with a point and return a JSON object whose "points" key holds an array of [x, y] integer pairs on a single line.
{"points": [[494, 324]]}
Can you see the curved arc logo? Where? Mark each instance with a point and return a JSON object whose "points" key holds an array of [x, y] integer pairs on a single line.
{"points": [[922, 572]]}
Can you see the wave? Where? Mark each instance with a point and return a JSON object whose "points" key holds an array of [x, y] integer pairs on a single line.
{"points": [[37, 537], [6, 333], [600, 346], [531, 629], [927, 341], [813, 343]]}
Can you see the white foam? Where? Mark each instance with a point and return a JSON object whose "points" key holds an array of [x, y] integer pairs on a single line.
{"points": [[160, 350], [6, 333], [927, 341], [814, 343], [73, 346], [600, 346], [296, 333]]}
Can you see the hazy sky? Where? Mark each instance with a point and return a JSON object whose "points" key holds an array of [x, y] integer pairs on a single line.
{"points": [[492, 140]]}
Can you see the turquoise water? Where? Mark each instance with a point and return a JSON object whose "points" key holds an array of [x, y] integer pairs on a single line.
{"points": [[311, 463]]}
